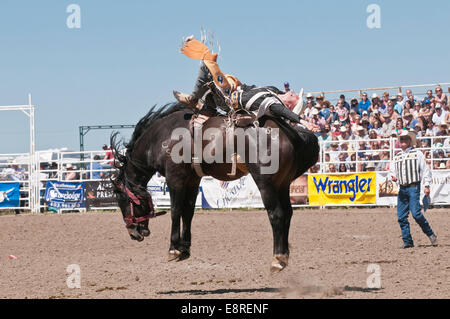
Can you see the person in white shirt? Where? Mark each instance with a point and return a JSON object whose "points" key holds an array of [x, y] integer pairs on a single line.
{"points": [[409, 169]]}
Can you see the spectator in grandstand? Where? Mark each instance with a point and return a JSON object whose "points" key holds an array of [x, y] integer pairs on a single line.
{"points": [[333, 115], [377, 127], [319, 101], [286, 87], [440, 98], [71, 174], [343, 168], [332, 168], [430, 131], [416, 112], [345, 135], [376, 103], [364, 104], [314, 169], [440, 115], [379, 165], [344, 102], [308, 111], [325, 137], [353, 118], [361, 133], [428, 97], [410, 97], [373, 134], [409, 121], [385, 98], [399, 125], [354, 105], [325, 112], [388, 126], [419, 130], [335, 130], [399, 104], [342, 112], [334, 153], [108, 155], [317, 119], [97, 168], [369, 167]]}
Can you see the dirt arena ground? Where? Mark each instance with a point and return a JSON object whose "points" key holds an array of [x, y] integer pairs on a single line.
{"points": [[231, 253]]}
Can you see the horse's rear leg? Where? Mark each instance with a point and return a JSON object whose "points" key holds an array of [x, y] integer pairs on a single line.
{"points": [[279, 209]]}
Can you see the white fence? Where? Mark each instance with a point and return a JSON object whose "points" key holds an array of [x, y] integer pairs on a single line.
{"points": [[93, 166]]}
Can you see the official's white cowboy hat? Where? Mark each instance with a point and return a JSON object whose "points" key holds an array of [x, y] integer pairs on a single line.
{"points": [[410, 134]]}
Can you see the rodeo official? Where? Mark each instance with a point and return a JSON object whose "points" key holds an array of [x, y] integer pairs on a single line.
{"points": [[408, 169]]}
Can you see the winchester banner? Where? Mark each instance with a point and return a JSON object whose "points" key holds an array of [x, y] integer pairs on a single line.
{"points": [[65, 195], [236, 194], [9, 195], [342, 189]]}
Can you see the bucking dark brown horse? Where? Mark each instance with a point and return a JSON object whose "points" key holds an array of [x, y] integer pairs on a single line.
{"points": [[228, 147]]}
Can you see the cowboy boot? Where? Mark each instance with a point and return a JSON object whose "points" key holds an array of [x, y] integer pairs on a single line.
{"points": [[188, 99]]}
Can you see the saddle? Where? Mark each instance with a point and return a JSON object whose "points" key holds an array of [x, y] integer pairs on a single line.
{"points": [[236, 119]]}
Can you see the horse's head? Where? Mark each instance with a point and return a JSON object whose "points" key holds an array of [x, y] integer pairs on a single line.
{"points": [[137, 209], [133, 199]]}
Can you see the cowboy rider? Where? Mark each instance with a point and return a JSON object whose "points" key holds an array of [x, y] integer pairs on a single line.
{"points": [[234, 94]]}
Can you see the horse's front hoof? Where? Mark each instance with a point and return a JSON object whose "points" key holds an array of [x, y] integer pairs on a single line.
{"points": [[184, 255], [279, 262], [174, 255]]}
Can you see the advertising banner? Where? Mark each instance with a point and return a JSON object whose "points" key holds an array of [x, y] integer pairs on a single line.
{"points": [[236, 194], [100, 195], [440, 188], [299, 191], [65, 195], [342, 189], [9, 195]]}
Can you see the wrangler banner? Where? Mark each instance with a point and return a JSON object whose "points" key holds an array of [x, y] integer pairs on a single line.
{"points": [[342, 189]]}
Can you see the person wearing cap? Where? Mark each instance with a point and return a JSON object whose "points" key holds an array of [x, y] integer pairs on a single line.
{"points": [[439, 116], [388, 126], [409, 121], [400, 99], [344, 136], [286, 87], [375, 100], [409, 169]]}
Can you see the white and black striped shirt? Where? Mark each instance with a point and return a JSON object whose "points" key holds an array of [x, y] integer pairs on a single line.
{"points": [[410, 167]]}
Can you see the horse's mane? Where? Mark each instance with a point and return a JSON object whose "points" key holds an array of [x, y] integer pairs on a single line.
{"points": [[153, 115], [150, 118]]}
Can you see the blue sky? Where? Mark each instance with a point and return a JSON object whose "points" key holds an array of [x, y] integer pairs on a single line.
{"points": [[125, 57]]}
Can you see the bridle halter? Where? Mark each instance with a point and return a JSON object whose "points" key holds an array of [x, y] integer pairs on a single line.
{"points": [[132, 220]]}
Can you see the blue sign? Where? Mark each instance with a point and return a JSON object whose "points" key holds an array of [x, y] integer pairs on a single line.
{"points": [[9, 195], [65, 195]]}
